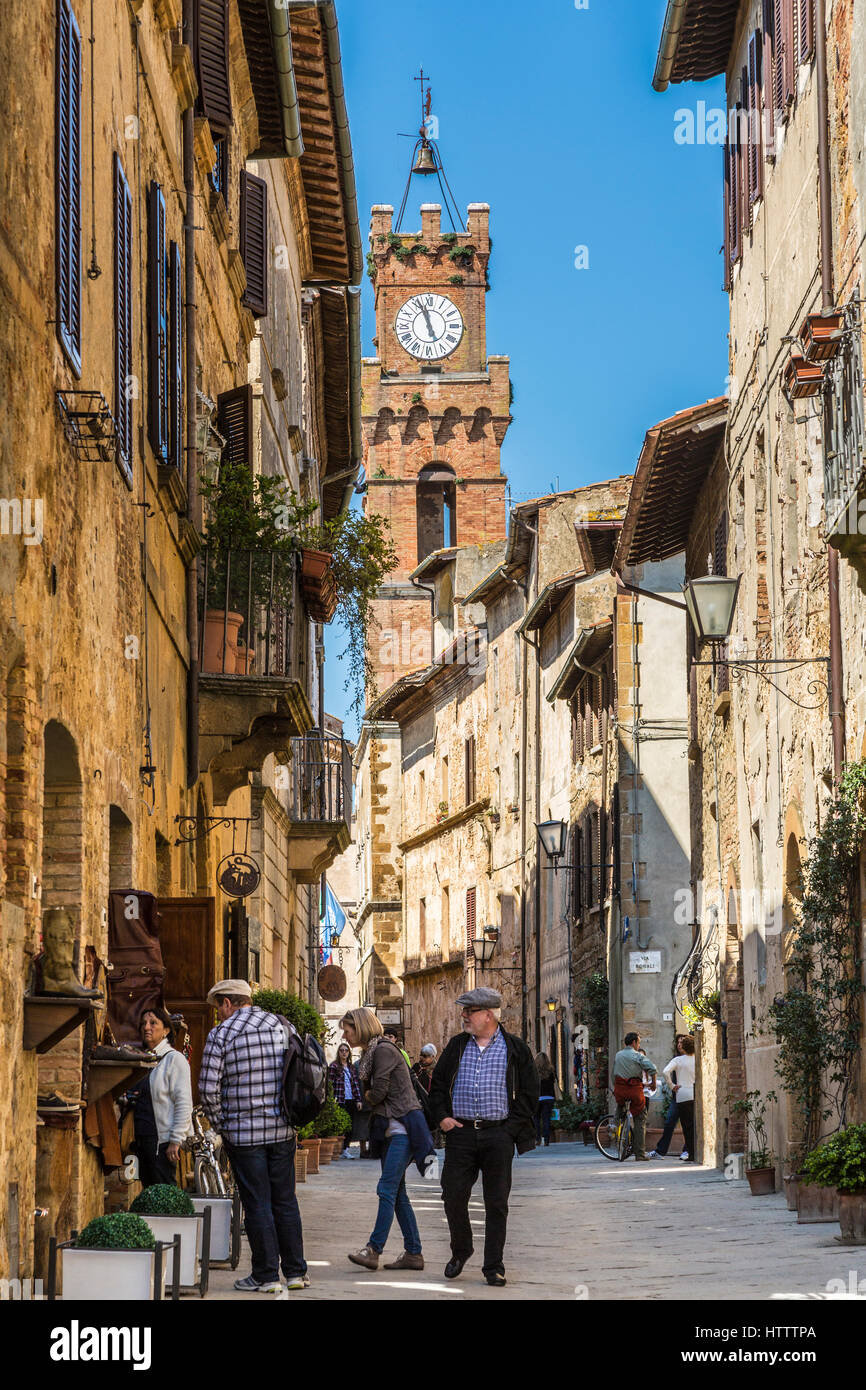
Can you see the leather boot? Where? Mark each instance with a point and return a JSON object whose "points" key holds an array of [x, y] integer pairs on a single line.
{"points": [[58, 940]]}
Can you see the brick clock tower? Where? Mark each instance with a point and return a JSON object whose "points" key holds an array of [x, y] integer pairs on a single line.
{"points": [[435, 412]]}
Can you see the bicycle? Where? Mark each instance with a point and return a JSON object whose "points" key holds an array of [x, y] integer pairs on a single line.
{"points": [[615, 1137], [213, 1176]]}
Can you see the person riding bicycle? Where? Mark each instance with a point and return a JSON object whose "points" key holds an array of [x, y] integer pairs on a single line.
{"points": [[629, 1066]]}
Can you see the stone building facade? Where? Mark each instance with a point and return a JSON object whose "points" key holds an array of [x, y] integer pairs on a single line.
{"points": [[140, 323]]}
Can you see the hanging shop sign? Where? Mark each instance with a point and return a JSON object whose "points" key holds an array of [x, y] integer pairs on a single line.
{"points": [[238, 875], [331, 983]]}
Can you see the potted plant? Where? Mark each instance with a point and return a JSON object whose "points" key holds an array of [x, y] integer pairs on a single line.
{"points": [[331, 1122], [760, 1168], [802, 378], [821, 336], [169, 1212], [112, 1258], [310, 1144], [300, 1164], [839, 1165], [443, 811]]}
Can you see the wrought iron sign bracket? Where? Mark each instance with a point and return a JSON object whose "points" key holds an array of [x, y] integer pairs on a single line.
{"points": [[187, 824], [781, 666]]}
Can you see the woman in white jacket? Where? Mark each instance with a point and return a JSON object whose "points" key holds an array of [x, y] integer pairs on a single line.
{"points": [[163, 1103]]}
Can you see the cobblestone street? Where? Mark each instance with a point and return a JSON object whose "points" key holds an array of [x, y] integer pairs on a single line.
{"points": [[579, 1227]]}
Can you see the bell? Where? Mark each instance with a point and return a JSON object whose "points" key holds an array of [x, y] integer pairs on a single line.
{"points": [[425, 163]]}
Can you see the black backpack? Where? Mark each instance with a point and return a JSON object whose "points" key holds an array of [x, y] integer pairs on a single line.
{"points": [[305, 1077]]}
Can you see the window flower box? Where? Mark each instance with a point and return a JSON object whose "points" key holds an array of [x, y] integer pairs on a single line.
{"points": [[802, 378], [821, 336]]}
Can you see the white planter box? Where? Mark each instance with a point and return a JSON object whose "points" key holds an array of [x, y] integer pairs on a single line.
{"points": [[220, 1224], [98, 1276], [189, 1229]]}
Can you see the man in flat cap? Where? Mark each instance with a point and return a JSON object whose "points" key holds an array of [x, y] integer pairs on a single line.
{"points": [[240, 1084], [484, 1097]]}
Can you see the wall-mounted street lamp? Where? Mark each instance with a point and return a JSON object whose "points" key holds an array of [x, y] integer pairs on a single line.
{"points": [[711, 602], [551, 1004], [484, 946]]}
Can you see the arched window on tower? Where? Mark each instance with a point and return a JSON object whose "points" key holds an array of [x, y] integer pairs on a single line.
{"points": [[435, 509]]}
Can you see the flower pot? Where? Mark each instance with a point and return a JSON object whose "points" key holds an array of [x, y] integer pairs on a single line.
{"points": [[189, 1229], [320, 596], [791, 1185], [220, 1224], [219, 656], [300, 1165], [326, 1149], [762, 1181], [315, 564], [95, 1276], [852, 1218], [802, 378], [821, 336], [311, 1149], [816, 1204], [245, 658]]}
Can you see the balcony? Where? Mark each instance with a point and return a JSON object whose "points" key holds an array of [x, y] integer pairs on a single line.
{"points": [[432, 960], [319, 780], [251, 702]]}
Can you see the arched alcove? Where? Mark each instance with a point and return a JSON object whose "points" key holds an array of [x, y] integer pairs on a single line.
{"points": [[435, 509]]}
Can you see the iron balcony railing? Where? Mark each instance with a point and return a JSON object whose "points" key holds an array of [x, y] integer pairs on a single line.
{"points": [[320, 779], [844, 428], [246, 614]]}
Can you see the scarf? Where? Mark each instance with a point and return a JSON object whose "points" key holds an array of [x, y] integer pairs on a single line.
{"points": [[365, 1064]]}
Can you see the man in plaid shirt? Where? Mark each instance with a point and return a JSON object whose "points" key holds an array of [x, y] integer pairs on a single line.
{"points": [[240, 1086]]}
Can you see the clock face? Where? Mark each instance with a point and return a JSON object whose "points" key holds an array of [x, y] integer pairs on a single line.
{"points": [[429, 326]]}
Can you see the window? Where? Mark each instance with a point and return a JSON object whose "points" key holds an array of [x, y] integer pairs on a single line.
{"points": [[517, 651], [516, 796], [470, 918], [123, 380], [844, 426], [495, 676], [756, 149], [68, 175], [235, 424], [469, 760], [212, 63], [445, 927], [435, 502], [720, 566], [175, 359], [576, 903], [254, 242], [444, 782], [422, 926], [157, 325], [219, 174], [422, 794]]}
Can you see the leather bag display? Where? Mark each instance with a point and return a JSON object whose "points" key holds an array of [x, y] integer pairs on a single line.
{"points": [[137, 974]]}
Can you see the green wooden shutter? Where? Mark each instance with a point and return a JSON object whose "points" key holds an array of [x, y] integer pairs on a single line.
{"points": [[123, 382], [157, 326], [68, 183], [175, 359]]}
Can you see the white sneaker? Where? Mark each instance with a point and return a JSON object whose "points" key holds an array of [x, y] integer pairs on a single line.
{"points": [[652, 1154], [346, 1154], [275, 1286], [684, 1158]]}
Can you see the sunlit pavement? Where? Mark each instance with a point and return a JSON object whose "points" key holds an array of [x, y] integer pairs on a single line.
{"points": [[580, 1227]]}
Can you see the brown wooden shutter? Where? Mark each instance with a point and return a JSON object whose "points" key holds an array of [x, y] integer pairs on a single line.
{"points": [[212, 63], [805, 30], [235, 424], [756, 153], [779, 31], [576, 875], [187, 936], [767, 71], [789, 64], [123, 385], [744, 151], [175, 359], [720, 566], [157, 325], [68, 183], [469, 750], [470, 918], [616, 886], [254, 241]]}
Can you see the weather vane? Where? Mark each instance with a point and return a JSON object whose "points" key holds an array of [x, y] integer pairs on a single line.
{"points": [[426, 158]]}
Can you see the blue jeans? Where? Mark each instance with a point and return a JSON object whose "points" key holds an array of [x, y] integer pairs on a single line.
{"points": [[265, 1176], [670, 1125], [542, 1119], [394, 1199]]}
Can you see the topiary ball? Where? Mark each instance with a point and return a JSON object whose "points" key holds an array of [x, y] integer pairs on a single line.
{"points": [[119, 1231], [163, 1199]]}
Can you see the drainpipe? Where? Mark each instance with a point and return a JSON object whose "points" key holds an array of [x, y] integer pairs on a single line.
{"points": [[353, 303], [281, 47], [673, 24], [428, 589], [192, 505], [328, 14], [837, 708]]}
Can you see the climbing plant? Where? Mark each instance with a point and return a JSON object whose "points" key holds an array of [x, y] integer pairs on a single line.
{"points": [[817, 1021], [594, 1007]]}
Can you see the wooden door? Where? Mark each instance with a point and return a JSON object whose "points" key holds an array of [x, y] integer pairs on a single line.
{"points": [[187, 935]]}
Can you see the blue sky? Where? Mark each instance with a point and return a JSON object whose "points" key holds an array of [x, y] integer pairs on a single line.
{"points": [[547, 113]]}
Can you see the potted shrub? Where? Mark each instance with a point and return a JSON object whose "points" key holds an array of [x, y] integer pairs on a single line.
{"points": [[839, 1165], [329, 1124], [821, 336], [169, 1212], [112, 1258], [310, 1144], [760, 1167]]}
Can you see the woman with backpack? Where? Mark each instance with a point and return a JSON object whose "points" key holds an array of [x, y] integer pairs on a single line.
{"points": [[398, 1130]]}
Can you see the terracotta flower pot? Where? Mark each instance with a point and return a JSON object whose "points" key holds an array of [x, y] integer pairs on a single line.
{"points": [[326, 1149], [300, 1165], [245, 659], [219, 625], [762, 1181], [821, 336], [311, 1149], [802, 378], [315, 563], [852, 1218], [816, 1204]]}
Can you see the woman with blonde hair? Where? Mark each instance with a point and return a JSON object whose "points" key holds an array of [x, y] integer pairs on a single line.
{"points": [[398, 1131]]}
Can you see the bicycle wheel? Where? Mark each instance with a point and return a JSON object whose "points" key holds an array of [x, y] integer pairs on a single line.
{"points": [[208, 1178], [607, 1131], [624, 1145]]}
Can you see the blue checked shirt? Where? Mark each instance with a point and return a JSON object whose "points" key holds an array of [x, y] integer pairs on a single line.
{"points": [[240, 1083], [480, 1091]]}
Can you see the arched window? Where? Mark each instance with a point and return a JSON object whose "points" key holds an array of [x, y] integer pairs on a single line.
{"points": [[435, 509]]}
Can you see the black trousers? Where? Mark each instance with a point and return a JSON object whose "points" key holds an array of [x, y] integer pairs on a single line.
{"points": [[469, 1152], [687, 1120], [154, 1167]]}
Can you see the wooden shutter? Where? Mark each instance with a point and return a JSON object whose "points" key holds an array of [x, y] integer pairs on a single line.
{"points": [[788, 74], [212, 63], [123, 385], [744, 151], [175, 359], [187, 937], [720, 566], [756, 153], [254, 241], [68, 183], [767, 71], [805, 30], [470, 918], [576, 875], [469, 752], [235, 424], [157, 325], [615, 839], [728, 202]]}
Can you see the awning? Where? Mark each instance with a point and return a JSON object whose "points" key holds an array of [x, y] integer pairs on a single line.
{"points": [[548, 601], [590, 646], [597, 540], [434, 562], [674, 464], [696, 41]]}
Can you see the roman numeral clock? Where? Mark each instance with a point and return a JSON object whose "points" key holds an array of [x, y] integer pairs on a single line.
{"points": [[429, 326]]}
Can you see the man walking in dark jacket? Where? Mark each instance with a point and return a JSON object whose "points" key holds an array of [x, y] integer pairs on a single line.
{"points": [[484, 1097]]}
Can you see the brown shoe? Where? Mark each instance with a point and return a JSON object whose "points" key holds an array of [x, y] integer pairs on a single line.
{"points": [[407, 1261], [368, 1257]]}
